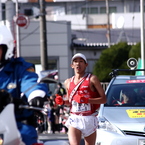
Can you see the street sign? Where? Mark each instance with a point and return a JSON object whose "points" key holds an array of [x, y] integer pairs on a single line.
{"points": [[22, 20]]}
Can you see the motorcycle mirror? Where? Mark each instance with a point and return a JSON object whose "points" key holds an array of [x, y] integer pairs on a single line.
{"points": [[48, 80]]}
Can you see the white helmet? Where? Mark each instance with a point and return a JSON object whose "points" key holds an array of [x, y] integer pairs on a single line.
{"points": [[6, 38]]}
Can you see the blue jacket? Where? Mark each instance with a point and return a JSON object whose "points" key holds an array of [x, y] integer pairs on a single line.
{"points": [[18, 74]]}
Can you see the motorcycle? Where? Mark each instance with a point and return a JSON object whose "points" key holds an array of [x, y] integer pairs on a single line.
{"points": [[9, 133]]}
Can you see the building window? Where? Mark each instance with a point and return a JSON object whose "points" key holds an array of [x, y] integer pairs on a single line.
{"points": [[93, 10], [102, 10], [84, 10], [111, 10], [28, 12], [90, 10]]}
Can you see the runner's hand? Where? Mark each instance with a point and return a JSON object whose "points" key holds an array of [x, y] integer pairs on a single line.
{"points": [[80, 99]]}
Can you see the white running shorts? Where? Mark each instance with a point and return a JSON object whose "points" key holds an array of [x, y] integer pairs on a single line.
{"points": [[86, 124]]}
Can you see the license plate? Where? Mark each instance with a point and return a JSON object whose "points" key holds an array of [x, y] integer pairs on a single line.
{"points": [[141, 142]]}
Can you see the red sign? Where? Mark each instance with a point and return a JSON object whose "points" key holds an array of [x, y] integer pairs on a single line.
{"points": [[22, 21], [135, 81]]}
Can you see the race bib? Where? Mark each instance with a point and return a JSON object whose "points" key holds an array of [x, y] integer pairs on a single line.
{"points": [[80, 107]]}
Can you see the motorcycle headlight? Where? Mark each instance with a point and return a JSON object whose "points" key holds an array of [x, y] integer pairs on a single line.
{"points": [[1, 139]]}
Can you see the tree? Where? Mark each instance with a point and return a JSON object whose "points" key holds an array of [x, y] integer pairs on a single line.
{"points": [[114, 57], [135, 51]]}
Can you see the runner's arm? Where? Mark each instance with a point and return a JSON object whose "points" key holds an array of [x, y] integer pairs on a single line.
{"points": [[66, 84], [96, 86]]}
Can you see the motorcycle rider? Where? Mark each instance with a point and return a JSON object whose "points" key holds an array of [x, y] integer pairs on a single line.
{"points": [[16, 76]]}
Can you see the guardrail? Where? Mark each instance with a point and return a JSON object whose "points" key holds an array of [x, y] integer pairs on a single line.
{"points": [[104, 85]]}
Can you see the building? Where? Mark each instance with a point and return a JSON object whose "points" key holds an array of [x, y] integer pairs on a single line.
{"points": [[85, 14], [88, 27]]}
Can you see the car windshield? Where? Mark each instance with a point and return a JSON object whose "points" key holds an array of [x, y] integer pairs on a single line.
{"points": [[121, 95]]}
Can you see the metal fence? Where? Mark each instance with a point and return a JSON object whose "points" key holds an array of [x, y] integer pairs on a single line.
{"points": [[104, 85]]}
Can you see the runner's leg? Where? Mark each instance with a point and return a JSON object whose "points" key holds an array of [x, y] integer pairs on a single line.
{"points": [[91, 139], [74, 136]]}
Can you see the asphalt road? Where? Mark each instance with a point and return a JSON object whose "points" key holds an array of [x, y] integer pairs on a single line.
{"points": [[57, 136]]}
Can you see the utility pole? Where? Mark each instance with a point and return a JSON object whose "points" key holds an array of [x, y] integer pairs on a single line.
{"points": [[108, 23], [17, 31], [43, 36], [142, 33], [9, 9]]}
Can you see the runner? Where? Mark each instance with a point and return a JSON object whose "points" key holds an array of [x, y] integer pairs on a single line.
{"points": [[85, 94]]}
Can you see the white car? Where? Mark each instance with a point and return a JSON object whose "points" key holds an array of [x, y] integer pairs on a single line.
{"points": [[122, 122]]}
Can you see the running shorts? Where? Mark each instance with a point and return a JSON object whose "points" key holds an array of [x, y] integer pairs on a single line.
{"points": [[86, 124]]}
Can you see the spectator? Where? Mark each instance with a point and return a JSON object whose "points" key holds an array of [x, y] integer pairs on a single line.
{"points": [[60, 90]]}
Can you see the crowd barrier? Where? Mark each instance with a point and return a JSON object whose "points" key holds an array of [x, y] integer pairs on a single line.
{"points": [[104, 85]]}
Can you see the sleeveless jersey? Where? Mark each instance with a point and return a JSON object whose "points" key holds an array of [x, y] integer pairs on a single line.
{"points": [[84, 89]]}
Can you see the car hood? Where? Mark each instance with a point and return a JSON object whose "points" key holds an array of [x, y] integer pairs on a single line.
{"points": [[126, 118]]}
